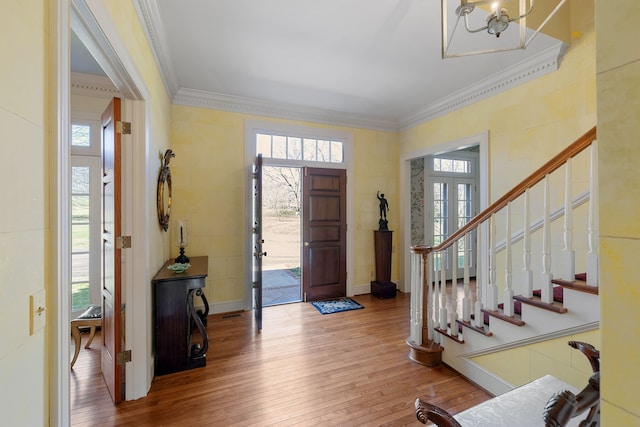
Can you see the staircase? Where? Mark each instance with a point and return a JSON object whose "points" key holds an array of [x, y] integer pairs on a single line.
{"points": [[539, 299]]}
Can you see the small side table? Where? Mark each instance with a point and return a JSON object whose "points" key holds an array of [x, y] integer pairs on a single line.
{"points": [[176, 317]]}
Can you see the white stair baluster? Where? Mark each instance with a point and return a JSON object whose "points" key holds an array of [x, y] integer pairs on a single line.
{"points": [[592, 255], [466, 302], [416, 300], [507, 296], [436, 293], [546, 289], [428, 271], [526, 249], [477, 309], [443, 291], [568, 257], [492, 288], [454, 290]]}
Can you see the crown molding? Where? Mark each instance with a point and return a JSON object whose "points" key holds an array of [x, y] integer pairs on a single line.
{"points": [[536, 66], [149, 17], [91, 85], [217, 101]]}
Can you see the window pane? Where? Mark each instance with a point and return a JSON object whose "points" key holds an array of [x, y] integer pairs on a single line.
{"points": [[294, 151], [337, 156], [79, 295], [324, 151], [310, 146], [80, 238], [79, 209], [451, 165], [81, 135], [263, 145], [80, 179], [80, 267], [279, 145]]}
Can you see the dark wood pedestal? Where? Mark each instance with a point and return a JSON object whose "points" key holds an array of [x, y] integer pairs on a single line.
{"points": [[383, 287], [181, 340]]}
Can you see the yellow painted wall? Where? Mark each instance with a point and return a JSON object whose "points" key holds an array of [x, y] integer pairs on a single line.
{"points": [[521, 365], [24, 214], [618, 80], [209, 189]]}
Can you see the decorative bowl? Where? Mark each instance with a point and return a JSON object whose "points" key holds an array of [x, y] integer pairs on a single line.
{"points": [[178, 268]]}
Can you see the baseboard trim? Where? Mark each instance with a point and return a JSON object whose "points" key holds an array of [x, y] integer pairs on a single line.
{"points": [[227, 307]]}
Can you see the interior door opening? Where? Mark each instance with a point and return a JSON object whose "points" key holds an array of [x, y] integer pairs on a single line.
{"points": [[281, 231]]}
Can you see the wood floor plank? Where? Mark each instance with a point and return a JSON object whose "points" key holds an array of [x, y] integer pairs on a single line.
{"points": [[302, 369]]}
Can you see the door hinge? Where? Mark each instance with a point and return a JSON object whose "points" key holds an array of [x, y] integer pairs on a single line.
{"points": [[123, 128], [123, 242], [123, 357]]}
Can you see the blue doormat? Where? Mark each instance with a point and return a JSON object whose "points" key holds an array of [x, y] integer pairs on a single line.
{"points": [[336, 305]]}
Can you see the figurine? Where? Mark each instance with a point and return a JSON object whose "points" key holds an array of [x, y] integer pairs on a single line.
{"points": [[384, 207]]}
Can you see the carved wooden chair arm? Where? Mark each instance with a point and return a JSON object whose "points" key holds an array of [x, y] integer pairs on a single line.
{"points": [[590, 352], [428, 412], [564, 405]]}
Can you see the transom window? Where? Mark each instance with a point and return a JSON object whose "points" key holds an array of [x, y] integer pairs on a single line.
{"points": [[299, 148], [451, 165], [80, 135]]}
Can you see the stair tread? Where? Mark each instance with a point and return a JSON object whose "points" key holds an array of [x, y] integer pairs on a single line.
{"points": [[515, 320], [578, 285], [484, 330], [535, 301], [558, 293], [447, 334]]}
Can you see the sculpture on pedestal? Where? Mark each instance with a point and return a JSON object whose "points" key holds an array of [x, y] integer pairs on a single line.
{"points": [[383, 287], [383, 225]]}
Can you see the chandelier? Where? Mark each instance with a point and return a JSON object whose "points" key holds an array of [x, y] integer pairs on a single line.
{"points": [[462, 19]]}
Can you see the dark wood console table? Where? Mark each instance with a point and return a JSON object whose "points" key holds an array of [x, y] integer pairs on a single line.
{"points": [[181, 340]]}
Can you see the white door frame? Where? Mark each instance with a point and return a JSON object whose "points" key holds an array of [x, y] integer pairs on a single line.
{"points": [[480, 139], [94, 26], [252, 127]]}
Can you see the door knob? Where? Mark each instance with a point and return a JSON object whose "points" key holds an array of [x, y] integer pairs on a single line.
{"points": [[306, 243]]}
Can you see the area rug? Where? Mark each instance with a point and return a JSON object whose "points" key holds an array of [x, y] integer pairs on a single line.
{"points": [[336, 305]]}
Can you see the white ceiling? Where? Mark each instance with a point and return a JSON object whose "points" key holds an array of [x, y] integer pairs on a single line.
{"points": [[358, 62]]}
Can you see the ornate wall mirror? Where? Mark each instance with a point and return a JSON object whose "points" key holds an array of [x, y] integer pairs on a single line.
{"points": [[164, 191]]}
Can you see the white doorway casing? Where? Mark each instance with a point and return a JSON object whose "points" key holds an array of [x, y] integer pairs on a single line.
{"points": [[93, 24], [481, 140], [251, 129]]}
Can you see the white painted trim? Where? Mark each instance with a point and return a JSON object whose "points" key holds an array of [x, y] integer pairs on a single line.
{"points": [[480, 139], [251, 127], [237, 104], [59, 378], [536, 66], [94, 26], [149, 16], [92, 85], [227, 307]]}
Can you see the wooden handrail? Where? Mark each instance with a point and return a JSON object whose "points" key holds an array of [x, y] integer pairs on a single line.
{"points": [[558, 160]]}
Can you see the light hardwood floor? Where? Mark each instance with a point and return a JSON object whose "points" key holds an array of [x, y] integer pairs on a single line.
{"points": [[303, 369]]}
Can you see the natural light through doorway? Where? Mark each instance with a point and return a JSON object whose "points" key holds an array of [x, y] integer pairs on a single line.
{"points": [[281, 268]]}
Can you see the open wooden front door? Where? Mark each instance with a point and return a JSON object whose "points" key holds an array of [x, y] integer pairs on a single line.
{"points": [[324, 233], [111, 252], [257, 241]]}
